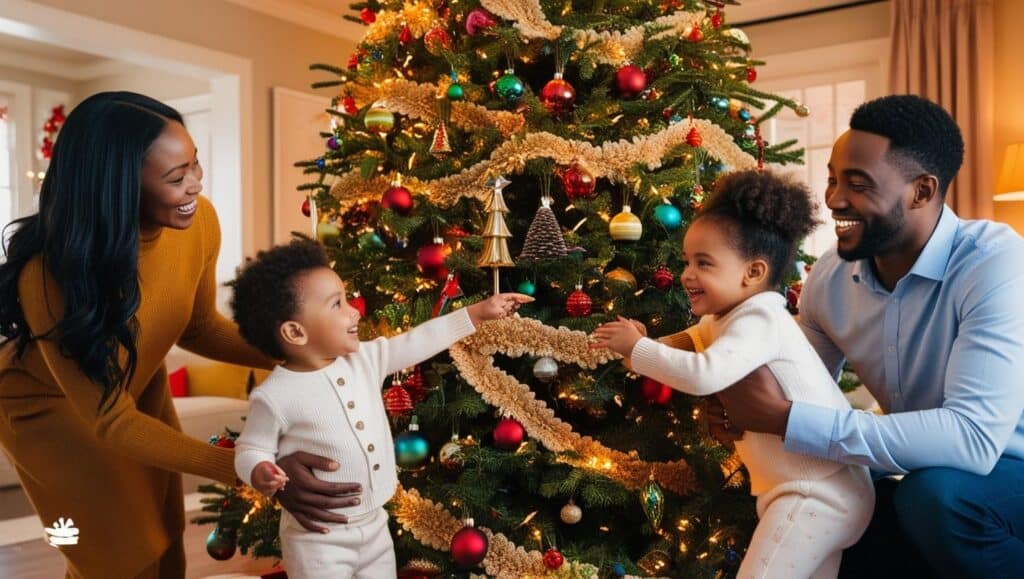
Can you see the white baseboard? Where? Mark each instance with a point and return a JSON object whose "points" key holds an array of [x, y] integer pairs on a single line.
{"points": [[22, 529]]}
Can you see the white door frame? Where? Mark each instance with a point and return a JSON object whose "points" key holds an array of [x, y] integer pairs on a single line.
{"points": [[20, 112], [231, 95]]}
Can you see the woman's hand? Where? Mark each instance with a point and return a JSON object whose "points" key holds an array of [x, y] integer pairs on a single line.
{"points": [[619, 336], [309, 498], [268, 478], [497, 307]]}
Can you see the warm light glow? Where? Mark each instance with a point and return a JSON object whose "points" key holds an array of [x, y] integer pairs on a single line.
{"points": [[1010, 185], [682, 547]]}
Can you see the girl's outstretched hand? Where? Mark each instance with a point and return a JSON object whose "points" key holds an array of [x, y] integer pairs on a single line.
{"points": [[619, 336]]}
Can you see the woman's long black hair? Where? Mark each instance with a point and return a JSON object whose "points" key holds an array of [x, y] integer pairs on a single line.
{"points": [[87, 232]]}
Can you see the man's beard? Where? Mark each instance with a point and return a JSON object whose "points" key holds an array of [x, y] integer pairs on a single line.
{"points": [[877, 236]]}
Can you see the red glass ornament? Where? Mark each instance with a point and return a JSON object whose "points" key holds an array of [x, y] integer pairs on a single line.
{"points": [[667, 113], [404, 36], [397, 199], [553, 559], [509, 434], [751, 74], [367, 16], [716, 19], [558, 95], [578, 182], [479, 20], [662, 278], [430, 259], [693, 137], [225, 443], [793, 296], [631, 80], [469, 547], [397, 401], [436, 40], [579, 303], [359, 303], [695, 35], [655, 392], [348, 104], [305, 207]]}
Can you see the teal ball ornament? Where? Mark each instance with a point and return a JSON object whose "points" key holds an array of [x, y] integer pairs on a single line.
{"points": [[411, 448], [668, 216], [509, 87], [527, 287], [370, 241]]}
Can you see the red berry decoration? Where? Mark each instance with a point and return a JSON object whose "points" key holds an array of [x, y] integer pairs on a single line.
{"points": [[631, 81], [578, 182], [397, 199], [655, 392], [469, 546], [404, 36], [305, 207], [353, 61], [430, 259], [348, 104], [509, 434], [553, 559], [359, 303], [479, 20], [751, 74], [693, 137], [716, 19], [662, 278], [415, 386], [397, 401], [558, 95], [225, 443], [695, 35], [579, 303], [367, 16]]}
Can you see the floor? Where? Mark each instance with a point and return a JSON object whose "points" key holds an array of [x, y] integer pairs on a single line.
{"points": [[35, 559]]}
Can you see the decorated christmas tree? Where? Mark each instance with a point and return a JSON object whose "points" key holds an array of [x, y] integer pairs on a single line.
{"points": [[556, 148]]}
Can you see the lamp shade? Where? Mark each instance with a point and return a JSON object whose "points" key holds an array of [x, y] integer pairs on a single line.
{"points": [[1010, 185]]}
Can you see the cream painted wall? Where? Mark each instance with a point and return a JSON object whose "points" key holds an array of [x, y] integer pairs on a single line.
{"points": [[155, 83], [829, 28], [280, 53], [1009, 97]]}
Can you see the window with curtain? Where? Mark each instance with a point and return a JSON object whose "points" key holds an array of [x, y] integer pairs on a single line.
{"points": [[831, 104]]}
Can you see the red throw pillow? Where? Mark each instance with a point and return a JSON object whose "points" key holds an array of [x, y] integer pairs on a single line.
{"points": [[179, 382]]}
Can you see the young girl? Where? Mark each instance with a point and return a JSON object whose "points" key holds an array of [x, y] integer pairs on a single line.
{"points": [[737, 252], [325, 398]]}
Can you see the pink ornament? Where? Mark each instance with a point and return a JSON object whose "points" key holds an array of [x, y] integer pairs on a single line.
{"points": [[479, 20]]}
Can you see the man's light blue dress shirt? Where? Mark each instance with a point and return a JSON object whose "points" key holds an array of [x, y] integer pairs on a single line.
{"points": [[943, 354]]}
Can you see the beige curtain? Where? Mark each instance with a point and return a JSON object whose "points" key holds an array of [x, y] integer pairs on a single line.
{"points": [[943, 50]]}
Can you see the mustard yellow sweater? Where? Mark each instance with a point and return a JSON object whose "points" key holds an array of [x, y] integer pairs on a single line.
{"points": [[116, 474]]}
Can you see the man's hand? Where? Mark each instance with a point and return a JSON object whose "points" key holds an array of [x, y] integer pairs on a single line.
{"points": [[756, 403], [719, 425], [308, 498]]}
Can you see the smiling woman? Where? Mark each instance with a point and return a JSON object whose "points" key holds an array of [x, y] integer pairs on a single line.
{"points": [[117, 267]]}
